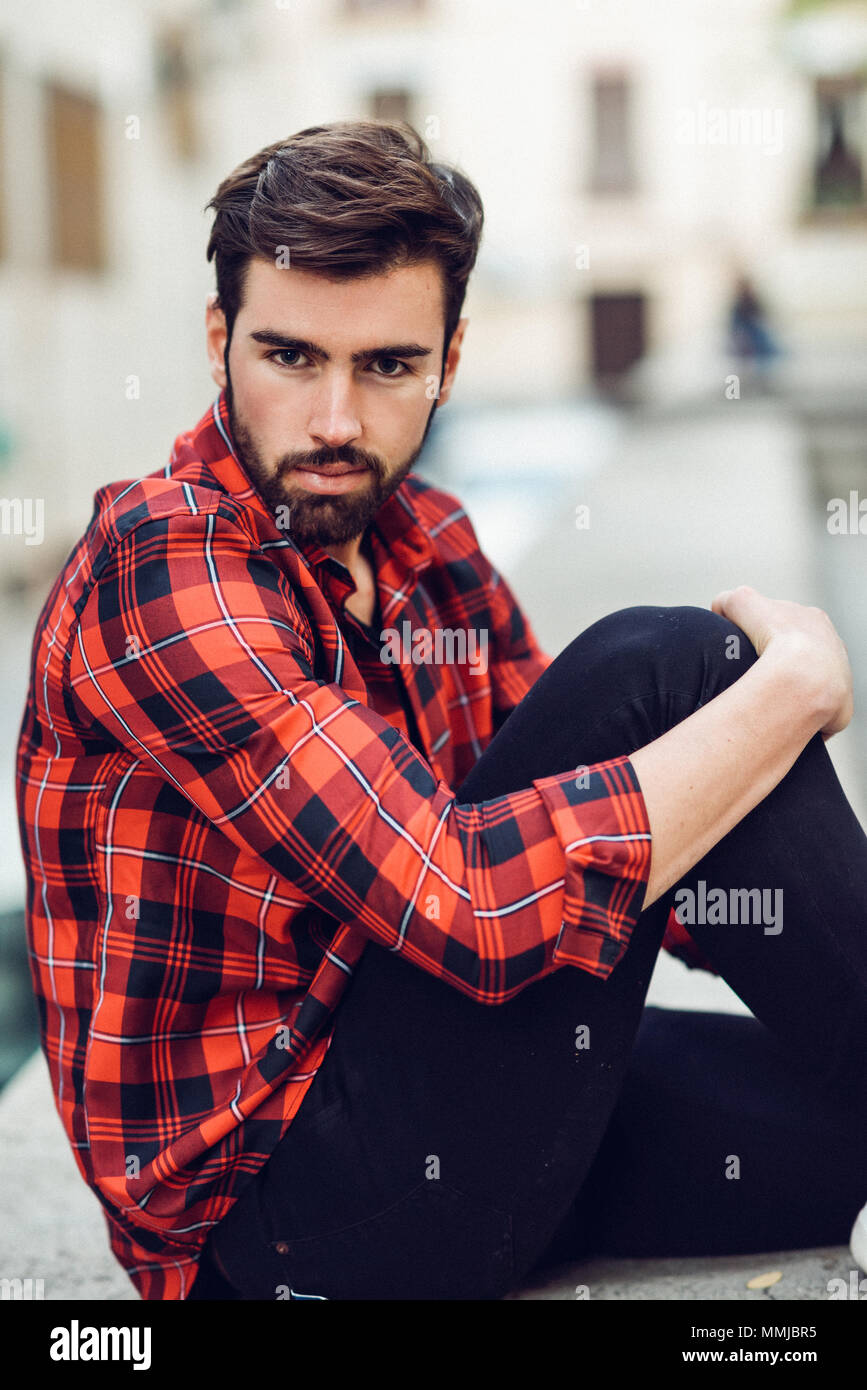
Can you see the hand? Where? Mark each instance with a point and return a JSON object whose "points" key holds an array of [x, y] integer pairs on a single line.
{"points": [[806, 639]]}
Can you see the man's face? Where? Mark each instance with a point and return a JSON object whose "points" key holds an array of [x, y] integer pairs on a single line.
{"points": [[322, 374]]}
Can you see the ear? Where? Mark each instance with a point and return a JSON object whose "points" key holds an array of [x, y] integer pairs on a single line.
{"points": [[452, 358], [216, 335]]}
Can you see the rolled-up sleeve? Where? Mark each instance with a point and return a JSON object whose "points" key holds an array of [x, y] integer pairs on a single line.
{"points": [[604, 832], [193, 653]]}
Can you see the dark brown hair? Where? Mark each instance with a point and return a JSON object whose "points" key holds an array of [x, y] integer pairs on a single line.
{"points": [[348, 199]]}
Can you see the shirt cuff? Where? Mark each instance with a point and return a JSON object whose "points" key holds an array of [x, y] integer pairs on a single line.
{"points": [[599, 817]]}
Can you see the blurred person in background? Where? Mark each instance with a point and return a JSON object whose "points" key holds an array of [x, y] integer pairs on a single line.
{"points": [[750, 336]]}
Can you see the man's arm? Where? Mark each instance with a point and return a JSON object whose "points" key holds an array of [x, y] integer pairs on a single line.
{"points": [[700, 747], [193, 651], [517, 663], [703, 776]]}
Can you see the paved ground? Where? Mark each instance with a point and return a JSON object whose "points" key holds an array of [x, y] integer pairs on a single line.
{"points": [[803, 1275], [679, 508]]}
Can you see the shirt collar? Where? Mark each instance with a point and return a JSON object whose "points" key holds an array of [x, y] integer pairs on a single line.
{"points": [[396, 524]]}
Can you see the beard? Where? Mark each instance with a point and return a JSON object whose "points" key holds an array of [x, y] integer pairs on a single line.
{"points": [[318, 517]]}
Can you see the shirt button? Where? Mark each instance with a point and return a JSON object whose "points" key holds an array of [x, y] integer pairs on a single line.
{"points": [[282, 1248]]}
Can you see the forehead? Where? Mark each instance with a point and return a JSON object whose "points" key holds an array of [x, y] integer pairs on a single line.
{"points": [[397, 305]]}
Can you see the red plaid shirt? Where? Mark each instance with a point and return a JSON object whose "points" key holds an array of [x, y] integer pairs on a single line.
{"points": [[219, 806]]}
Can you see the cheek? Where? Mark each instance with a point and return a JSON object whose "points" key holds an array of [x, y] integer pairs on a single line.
{"points": [[260, 401], [399, 424], [261, 386]]}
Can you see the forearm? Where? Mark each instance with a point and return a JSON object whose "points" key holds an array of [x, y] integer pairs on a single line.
{"points": [[703, 776]]}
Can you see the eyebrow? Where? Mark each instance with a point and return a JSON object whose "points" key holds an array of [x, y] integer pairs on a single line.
{"points": [[280, 340]]}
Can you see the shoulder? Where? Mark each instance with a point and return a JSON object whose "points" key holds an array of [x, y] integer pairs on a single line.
{"points": [[163, 503]]}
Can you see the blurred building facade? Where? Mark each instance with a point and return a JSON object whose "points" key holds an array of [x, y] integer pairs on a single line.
{"points": [[633, 161]]}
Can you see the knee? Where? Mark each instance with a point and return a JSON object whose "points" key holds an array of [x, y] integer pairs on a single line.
{"points": [[720, 644], [686, 647], [649, 626]]}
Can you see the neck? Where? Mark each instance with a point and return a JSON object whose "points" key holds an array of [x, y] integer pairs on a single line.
{"points": [[350, 551]]}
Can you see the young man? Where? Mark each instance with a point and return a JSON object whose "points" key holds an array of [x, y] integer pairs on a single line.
{"points": [[286, 834]]}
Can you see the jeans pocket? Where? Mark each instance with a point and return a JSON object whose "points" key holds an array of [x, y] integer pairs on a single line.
{"points": [[435, 1242]]}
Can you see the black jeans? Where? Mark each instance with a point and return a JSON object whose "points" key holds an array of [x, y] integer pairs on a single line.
{"points": [[447, 1149]]}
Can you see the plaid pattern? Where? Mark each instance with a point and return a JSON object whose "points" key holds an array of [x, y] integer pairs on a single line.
{"points": [[219, 807]]}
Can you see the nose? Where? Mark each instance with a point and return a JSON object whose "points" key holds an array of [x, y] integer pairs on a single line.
{"points": [[334, 419]]}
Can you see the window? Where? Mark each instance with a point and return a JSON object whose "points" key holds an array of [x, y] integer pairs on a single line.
{"points": [[391, 104], [75, 175], [840, 117], [618, 332], [174, 72], [612, 166]]}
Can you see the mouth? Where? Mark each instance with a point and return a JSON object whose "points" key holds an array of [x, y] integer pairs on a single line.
{"points": [[335, 470], [330, 477]]}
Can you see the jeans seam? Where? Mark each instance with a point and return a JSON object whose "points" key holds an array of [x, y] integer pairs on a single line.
{"points": [[352, 1226], [478, 1203]]}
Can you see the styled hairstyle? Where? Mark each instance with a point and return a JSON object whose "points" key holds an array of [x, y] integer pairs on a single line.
{"points": [[349, 199]]}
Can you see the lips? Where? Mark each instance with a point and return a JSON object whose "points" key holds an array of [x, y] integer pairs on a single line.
{"points": [[335, 470]]}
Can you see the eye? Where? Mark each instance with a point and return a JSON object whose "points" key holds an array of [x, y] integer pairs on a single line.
{"points": [[395, 362], [281, 352]]}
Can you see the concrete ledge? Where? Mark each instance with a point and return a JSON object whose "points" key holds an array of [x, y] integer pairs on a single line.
{"points": [[805, 1276], [51, 1225], [52, 1228]]}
